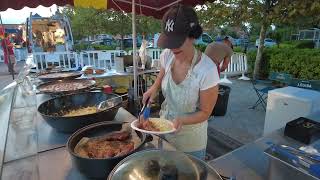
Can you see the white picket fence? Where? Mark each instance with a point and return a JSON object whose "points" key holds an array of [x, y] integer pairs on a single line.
{"points": [[67, 60], [237, 66], [99, 59], [106, 59], [153, 53]]}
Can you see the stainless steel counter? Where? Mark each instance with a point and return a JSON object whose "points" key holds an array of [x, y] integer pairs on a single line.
{"points": [[6, 98], [36, 151], [250, 161]]}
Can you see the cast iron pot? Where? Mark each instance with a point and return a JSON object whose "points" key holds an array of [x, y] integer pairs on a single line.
{"points": [[99, 168], [52, 110]]}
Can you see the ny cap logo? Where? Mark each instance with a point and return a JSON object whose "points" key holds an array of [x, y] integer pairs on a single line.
{"points": [[169, 25]]}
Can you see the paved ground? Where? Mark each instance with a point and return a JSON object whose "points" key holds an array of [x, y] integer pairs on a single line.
{"points": [[240, 125], [240, 122], [5, 77]]}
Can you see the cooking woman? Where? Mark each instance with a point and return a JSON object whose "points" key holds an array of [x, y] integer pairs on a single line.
{"points": [[188, 79]]}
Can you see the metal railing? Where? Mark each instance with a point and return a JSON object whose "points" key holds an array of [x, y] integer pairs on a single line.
{"points": [[66, 60]]}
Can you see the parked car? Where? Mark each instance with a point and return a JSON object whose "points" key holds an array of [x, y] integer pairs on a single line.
{"points": [[106, 42], [128, 43], [104, 36], [240, 42], [204, 39], [267, 42]]}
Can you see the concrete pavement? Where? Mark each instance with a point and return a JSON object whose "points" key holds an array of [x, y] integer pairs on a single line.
{"points": [[240, 125], [5, 76]]}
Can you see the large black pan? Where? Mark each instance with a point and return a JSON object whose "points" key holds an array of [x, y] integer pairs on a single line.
{"points": [[86, 84], [99, 168], [59, 75], [52, 110]]}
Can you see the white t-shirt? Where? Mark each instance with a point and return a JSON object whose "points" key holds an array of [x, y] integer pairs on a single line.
{"points": [[205, 68], [182, 99]]}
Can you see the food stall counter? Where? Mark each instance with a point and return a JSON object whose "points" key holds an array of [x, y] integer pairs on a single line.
{"points": [[251, 162], [33, 149]]}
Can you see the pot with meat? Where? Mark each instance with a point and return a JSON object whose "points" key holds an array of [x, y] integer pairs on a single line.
{"points": [[71, 112], [96, 149]]}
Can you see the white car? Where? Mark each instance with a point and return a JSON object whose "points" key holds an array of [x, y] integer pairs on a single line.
{"points": [[267, 42]]}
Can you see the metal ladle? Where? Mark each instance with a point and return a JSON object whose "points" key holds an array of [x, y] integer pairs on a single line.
{"points": [[109, 103]]}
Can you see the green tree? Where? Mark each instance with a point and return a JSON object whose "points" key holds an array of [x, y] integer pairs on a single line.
{"points": [[147, 25], [89, 21], [282, 11], [260, 12]]}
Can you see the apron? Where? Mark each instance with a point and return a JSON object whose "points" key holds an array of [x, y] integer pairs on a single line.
{"points": [[180, 100]]}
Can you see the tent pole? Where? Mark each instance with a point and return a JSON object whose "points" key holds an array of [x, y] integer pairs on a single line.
{"points": [[6, 49], [134, 50]]}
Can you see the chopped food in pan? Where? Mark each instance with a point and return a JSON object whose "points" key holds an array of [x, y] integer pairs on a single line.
{"points": [[64, 86], [58, 75], [87, 110], [81, 111]]}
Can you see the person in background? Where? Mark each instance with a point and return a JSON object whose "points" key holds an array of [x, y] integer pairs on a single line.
{"points": [[227, 41], [188, 79], [9, 58], [220, 52]]}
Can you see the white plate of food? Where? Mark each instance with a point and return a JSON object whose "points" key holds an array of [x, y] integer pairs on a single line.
{"points": [[154, 126]]}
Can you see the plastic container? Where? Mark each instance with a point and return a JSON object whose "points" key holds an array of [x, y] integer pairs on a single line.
{"points": [[221, 106]]}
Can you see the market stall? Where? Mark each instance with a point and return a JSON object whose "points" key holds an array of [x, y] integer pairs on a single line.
{"points": [[33, 148], [153, 8], [54, 130], [49, 34]]}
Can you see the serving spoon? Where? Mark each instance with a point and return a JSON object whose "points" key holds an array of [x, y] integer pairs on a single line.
{"points": [[109, 103]]}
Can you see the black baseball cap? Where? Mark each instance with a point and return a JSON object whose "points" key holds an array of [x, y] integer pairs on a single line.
{"points": [[176, 26]]}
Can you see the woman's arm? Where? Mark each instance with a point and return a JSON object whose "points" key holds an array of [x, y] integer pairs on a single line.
{"points": [[208, 100], [225, 63], [151, 93]]}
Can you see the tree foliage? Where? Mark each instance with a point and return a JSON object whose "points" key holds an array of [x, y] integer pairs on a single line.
{"points": [[262, 12], [89, 21]]}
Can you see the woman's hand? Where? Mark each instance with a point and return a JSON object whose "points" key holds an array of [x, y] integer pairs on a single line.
{"points": [[149, 94], [177, 124]]}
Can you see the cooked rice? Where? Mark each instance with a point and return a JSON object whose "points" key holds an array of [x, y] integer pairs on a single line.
{"points": [[161, 124], [81, 111]]}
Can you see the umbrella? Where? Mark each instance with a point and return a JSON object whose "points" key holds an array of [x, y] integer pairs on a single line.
{"points": [[155, 8]]}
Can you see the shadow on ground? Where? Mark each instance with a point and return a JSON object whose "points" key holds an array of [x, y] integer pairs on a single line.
{"points": [[240, 125]]}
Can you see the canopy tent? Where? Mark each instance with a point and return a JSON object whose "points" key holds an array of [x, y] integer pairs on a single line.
{"points": [[155, 8]]}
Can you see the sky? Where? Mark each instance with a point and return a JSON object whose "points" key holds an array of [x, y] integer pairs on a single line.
{"points": [[11, 16]]}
